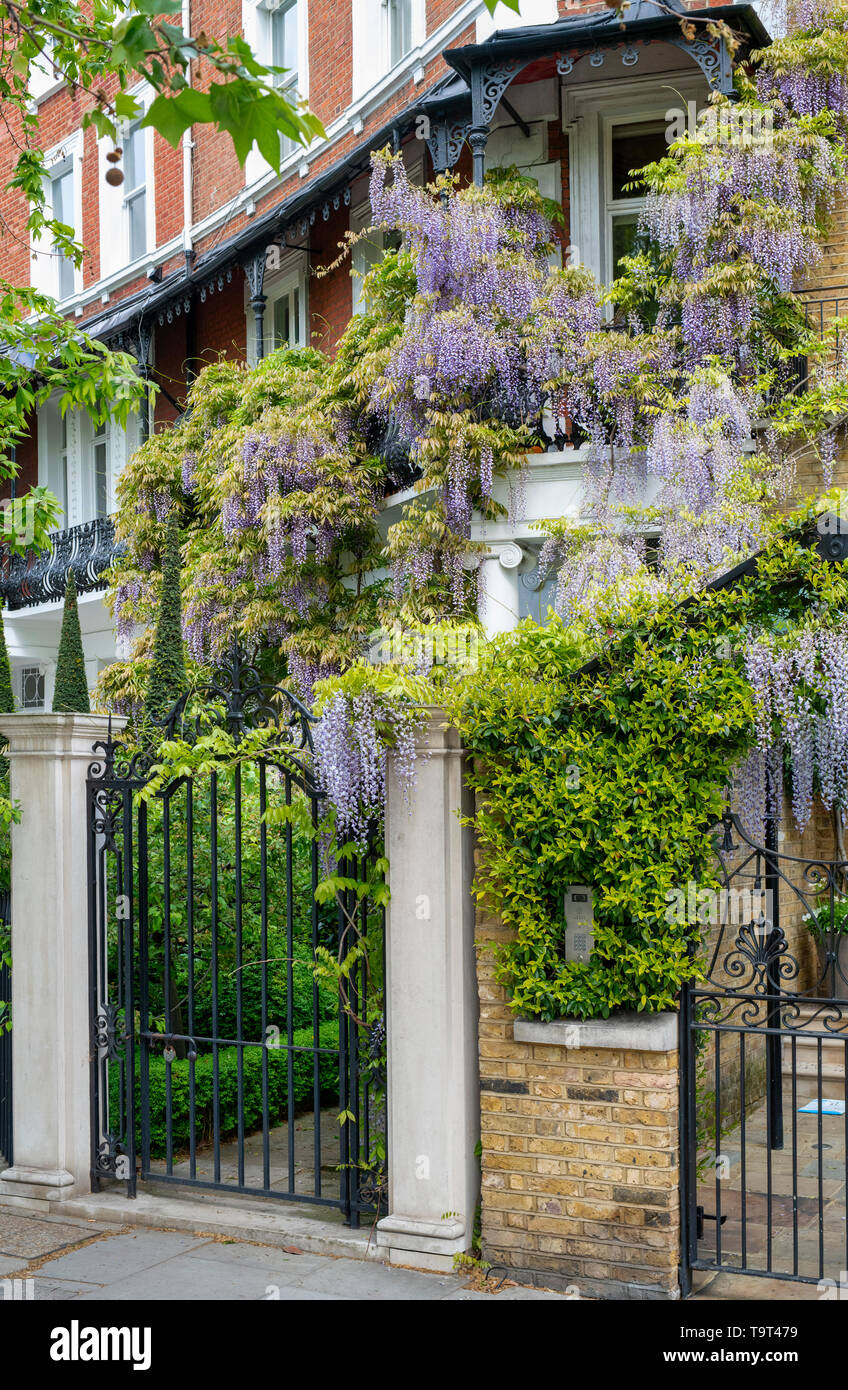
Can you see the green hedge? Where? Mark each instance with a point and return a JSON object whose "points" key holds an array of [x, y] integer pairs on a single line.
{"points": [[302, 1081]]}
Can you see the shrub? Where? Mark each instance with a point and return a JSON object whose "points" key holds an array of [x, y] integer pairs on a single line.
{"points": [[303, 981], [181, 1070]]}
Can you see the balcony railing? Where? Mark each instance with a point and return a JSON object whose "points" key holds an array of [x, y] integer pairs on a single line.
{"points": [[39, 576]]}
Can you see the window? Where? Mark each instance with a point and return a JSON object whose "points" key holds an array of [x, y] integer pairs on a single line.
{"points": [[44, 79], [51, 270], [32, 687], [100, 469], [632, 145], [615, 126], [399, 18], [386, 33], [284, 42], [285, 50], [286, 311], [127, 210], [276, 31], [62, 203], [135, 190], [369, 250]]}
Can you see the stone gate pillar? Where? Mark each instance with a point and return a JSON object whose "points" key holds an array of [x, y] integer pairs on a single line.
{"points": [[49, 756], [431, 1011]]}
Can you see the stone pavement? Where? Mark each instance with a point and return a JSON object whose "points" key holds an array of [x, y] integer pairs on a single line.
{"points": [[81, 1258], [88, 1261]]}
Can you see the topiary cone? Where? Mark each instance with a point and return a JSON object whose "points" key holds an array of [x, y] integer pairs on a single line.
{"points": [[7, 699], [167, 672], [70, 695]]}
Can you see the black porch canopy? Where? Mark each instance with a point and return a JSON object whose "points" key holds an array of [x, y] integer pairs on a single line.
{"points": [[462, 108]]}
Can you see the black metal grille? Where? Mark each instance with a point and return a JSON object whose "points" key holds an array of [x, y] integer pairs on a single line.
{"points": [[764, 1055], [221, 1060], [39, 576], [6, 1141]]}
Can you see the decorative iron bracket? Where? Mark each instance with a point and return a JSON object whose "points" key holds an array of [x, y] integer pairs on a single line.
{"points": [[445, 142], [712, 56]]}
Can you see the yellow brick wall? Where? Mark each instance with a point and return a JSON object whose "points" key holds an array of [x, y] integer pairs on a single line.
{"points": [[579, 1157]]}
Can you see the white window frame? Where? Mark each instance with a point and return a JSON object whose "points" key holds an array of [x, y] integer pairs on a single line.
{"points": [[365, 255], [591, 112], [43, 80], [618, 207], [63, 158], [114, 211], [292, 275], [256, 27], [81, 434], [59, 454], [395, 11], [37, 669], [372, 36]]}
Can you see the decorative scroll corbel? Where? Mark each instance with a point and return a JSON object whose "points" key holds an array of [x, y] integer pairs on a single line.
{"points": [[254, 269]]}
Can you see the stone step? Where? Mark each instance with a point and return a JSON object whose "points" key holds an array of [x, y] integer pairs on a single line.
{"points": [[807, 1048]]}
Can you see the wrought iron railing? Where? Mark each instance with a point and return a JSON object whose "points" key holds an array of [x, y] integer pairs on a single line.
{"points": [[39, 576], [820, 314]]}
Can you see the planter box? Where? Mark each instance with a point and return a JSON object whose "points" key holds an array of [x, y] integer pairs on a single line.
{"points": [[634, 1031]]}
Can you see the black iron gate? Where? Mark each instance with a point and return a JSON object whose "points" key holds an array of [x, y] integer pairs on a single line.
{"points": [[764, 1048], [221, 1058]]}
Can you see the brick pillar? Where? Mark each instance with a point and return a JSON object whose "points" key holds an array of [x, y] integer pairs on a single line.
{"points": [[580, 1170]]}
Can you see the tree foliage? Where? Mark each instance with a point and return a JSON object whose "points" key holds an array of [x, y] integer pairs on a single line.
{"points": [[102, 51]]}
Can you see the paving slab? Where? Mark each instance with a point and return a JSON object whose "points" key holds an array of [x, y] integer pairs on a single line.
{"points": [[314, 1229], [708, 1288], [162, 1265], [182, 1279], [291, 1269], [59, 1290], [113, 1256], [30, 1236], [357, 1279]]}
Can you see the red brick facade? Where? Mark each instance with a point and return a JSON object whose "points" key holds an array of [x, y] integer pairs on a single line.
{"points": [[220, 205]]}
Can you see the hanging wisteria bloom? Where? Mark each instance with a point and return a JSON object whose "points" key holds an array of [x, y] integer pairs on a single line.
{"points": [[351, 738], [802, 711]]}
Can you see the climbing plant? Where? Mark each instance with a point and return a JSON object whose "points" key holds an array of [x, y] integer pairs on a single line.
{"points": [[611, 774], [279, 475]]}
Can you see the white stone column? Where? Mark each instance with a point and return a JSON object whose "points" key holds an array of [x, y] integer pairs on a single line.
{"points": [[49, 756], [497, 588], [432, 1008]]}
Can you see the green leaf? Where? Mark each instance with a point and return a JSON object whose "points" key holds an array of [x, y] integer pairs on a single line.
{"points": [[172, 116]]}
